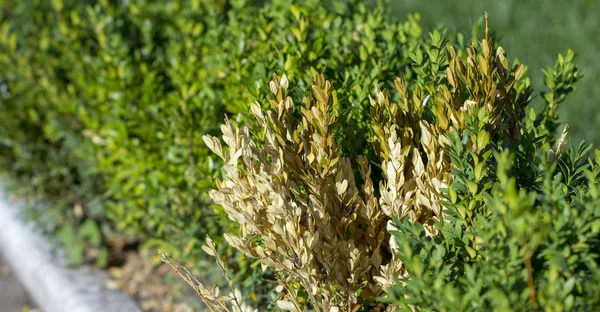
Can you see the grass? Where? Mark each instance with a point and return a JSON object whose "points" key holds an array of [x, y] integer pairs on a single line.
{"points": [[535, 32]]}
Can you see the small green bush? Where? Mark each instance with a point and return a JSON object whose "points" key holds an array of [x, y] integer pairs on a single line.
{"points": [[522, 225], [471, 225]]}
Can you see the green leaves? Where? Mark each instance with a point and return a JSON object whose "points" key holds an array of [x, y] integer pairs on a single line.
{"points": [[560, 81], [520, 225], [83, 243], [430, 65]]}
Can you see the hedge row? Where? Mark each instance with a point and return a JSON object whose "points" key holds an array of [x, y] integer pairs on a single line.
{"points": [[109, 107], [104, 103]]}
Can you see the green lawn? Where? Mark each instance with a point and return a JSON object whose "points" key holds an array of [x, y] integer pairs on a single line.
{"points": [[534, 31]]}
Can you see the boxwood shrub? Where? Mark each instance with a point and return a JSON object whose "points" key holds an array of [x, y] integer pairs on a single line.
{"points": [[478, 205], [104, 103]]}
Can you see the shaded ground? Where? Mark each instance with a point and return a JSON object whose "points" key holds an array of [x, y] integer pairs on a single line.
{"points": [[154, 285], [13, 297]]}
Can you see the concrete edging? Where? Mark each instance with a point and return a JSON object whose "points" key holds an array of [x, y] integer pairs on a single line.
{"points": [[53, 286]]}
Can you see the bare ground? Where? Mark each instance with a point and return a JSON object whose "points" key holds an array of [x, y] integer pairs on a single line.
{"points": [[13, 297]]}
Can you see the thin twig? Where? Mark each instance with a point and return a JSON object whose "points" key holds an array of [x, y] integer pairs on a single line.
{"points": [[530, 285], [486, 26]]}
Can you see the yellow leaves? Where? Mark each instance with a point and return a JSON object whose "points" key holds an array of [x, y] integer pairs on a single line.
{"points": [[290, 229], [214, 144], [501, 56], [234, 242], [419, 167], [277, 206], [562, 140], [400, 85], [341, 187], [488, 85], [380, 97], [210, 247], [257, 112], [391, 173], [321, 90], [518, 71], [287, 306], [423, 201], [297, 192], [311, 158], [283, 82], [468, 106], [484, 66], [426, 135], [277, 84]]}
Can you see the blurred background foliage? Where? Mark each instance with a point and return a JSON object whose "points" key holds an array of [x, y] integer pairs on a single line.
{"points": [[534, 32]]}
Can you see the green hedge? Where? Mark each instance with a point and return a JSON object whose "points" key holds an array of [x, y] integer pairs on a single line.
{"points": [[104, 103]]}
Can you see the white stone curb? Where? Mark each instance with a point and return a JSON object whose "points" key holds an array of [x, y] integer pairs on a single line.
{"points": [[53, 286]]}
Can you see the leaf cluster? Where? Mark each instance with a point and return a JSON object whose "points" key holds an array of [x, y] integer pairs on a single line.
{"points": [[520, 230]]}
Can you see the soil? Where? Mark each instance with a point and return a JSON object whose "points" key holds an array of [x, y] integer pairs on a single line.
{"points": [[13, 297], [153, 284]]}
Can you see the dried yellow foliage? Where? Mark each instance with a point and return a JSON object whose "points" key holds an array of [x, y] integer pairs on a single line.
{"points": [[304, 214]]}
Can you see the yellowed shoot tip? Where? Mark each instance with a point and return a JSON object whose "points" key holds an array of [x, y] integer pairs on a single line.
{"points": [[486, 25]]}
